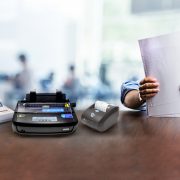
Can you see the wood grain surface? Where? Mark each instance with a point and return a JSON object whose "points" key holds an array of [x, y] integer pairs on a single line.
{"points": [[136, 148]]}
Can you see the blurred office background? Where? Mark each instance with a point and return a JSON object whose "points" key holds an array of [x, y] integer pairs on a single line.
{"points": [[86, 48]]}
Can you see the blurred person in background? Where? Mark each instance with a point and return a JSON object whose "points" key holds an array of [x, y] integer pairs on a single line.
{"points": [[103, 73], [47, 83], [72, 85], [21, 82], [104, 90]]}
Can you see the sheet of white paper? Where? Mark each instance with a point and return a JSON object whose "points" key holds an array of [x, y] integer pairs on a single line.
{"points": [[161, 59], [169, 115], [161, 109]]}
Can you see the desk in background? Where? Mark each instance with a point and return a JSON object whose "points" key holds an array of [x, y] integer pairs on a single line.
{"points": [[137, 148]]}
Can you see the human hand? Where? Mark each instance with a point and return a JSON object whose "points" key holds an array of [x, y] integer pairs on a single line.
{"points": [[148, 88]]}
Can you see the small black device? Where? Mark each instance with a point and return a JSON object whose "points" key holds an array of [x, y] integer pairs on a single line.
{"points": [[100, 116], [44, 114]]}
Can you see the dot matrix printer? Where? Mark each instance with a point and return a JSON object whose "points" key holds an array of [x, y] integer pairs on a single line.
{"points": [[44, 114]]}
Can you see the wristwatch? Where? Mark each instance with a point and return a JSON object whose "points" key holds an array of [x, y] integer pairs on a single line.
{"points": [[140, 99]]}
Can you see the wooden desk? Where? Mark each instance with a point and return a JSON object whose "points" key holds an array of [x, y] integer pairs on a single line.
{"points": [[137, 148]]}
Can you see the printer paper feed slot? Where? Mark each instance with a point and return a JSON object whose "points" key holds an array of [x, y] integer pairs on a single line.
{"points": [[43, 108], [101, 106]]}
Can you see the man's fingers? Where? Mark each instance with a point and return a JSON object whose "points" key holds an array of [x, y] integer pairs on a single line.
{"points": [[148, 86], [148, 91], [147, 96], [148, 79]]}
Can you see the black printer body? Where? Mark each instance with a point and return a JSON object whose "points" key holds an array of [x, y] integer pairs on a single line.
{"points": [[44, 114]]}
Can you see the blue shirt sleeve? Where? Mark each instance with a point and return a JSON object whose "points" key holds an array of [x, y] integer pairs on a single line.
{"points": [[129, 86]]}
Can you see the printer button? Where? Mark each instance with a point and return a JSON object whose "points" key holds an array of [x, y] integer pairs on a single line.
{"points": [[67, 116]]}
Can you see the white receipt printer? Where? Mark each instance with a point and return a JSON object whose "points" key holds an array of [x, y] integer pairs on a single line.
{"points": [[100, 116], [6, 114]]}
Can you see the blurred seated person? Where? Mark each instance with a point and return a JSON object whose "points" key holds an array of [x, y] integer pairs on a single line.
{"points": [[47, 82], [72, 85], [104, 90], [22, 80], [135, 94]]}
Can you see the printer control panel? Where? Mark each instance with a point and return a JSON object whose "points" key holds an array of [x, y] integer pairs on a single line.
{"points": [[44, 112], [44, 108]]}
